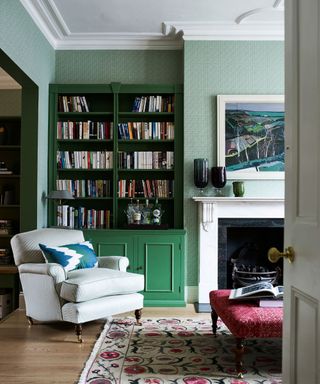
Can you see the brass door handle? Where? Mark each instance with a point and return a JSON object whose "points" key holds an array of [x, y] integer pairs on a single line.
{"points": [[274, 255]]}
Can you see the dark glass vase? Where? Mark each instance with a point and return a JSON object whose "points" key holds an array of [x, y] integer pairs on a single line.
{"points": [[218, 179], [201, 173]]}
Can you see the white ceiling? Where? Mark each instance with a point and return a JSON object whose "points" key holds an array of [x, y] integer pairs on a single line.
{"points": [[151, 24]]}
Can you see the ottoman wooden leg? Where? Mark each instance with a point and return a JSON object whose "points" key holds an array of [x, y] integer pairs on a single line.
{"points": [[239, 356], [214, 318]]}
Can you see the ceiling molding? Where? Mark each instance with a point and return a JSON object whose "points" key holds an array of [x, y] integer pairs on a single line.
{"points": [[226, 31], [51, 23], [117, 41]]}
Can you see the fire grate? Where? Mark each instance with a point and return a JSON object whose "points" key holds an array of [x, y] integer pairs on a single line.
{"points": [[246, 269]]}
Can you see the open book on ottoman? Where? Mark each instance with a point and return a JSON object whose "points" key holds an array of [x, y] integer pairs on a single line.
{"points": [[256, 291]]}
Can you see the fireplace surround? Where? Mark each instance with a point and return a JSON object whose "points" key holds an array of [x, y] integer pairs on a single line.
{"points": [[210, 211]]}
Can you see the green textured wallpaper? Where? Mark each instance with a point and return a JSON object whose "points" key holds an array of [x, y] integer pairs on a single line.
{"points": [[214, 68], [158, 67], [21, 40]]}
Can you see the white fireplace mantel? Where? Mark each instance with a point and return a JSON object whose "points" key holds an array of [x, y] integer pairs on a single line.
{"points": [[210, 210]]}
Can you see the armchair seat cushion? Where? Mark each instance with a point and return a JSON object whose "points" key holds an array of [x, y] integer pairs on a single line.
{"points": [[88, 284]]}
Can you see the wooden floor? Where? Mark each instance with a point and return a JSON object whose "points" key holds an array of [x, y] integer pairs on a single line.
{"points": [[50, 353]]}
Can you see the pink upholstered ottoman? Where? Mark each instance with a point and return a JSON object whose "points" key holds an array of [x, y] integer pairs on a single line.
{"points": [[245, 319]]}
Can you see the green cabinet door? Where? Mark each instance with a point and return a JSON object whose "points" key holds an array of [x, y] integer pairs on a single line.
{"points": [[160, 258], [158, 255], [112, 243]]}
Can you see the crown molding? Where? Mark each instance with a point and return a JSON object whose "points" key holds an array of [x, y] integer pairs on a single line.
{"points": [[225, 31], [51, 23]]}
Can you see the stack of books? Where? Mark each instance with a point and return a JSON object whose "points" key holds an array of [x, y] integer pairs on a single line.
{"points": [[5, 256], [6, 227], [3, 169]]}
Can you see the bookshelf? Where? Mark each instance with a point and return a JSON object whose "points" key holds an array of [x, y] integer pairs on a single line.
{"points": [[10, 127], [111, 145]]}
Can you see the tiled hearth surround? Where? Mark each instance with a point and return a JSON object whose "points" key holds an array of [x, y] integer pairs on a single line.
{"points": [[210, 210]]}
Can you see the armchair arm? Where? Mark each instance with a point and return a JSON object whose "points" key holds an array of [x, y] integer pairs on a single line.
{"points": [[119, 263], [54, 270]]}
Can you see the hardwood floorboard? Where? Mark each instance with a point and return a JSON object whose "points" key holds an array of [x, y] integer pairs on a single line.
{"points": [[49, 352]]}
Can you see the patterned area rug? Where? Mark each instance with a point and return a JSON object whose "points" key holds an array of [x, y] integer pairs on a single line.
{"points": [[177, 351]]}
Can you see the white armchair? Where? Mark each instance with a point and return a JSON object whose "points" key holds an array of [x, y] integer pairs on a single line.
{"points": [[77, 296]]}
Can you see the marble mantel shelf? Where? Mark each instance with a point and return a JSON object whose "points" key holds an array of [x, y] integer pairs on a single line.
{"points": [[210, 210], [227, 207]]}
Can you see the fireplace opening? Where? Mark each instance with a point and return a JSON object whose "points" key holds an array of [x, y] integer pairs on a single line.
{"points": [[243, 247]]}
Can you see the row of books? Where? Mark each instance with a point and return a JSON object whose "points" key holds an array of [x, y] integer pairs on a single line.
{"points": [[151, 130], [145, 188], [85, 188], [87, 130], [153, 104], [72, 104], [146, 160], [6, 227], [84, 159], [82, 218], [5, 256]]}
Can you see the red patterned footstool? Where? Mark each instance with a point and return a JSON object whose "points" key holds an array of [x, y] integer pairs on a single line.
{"points": [[245, 320]]}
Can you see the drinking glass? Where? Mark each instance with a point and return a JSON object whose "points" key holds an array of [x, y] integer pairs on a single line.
{"points": [[201, 173], [218, 179]]}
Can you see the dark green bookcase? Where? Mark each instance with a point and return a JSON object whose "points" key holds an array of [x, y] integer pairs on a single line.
{"points": [[10, 150], [157, 253]]}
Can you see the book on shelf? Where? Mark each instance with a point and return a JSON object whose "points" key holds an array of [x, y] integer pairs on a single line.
{"points": [[84, 130], [271, 303], [148, 130], [85, 187], [5, 256], [145, 188], [6, 227], [258, 290], [72, 104], [5, 172], [153, 103], [82, 217], [84, 159], [146, 160]]}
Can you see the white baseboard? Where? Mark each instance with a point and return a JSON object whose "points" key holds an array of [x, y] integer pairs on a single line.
{"points": [[191, 294]]}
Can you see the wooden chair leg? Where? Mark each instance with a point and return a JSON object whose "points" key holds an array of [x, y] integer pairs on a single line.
{"points": [[239, 356], [138, 313], [214, 318], [79, 332], [30, 320]]}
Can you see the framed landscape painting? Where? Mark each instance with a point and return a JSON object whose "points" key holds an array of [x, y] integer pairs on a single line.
{"points": [[251, 136]]}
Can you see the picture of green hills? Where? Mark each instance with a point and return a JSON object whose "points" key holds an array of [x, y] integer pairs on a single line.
{"points": [[254, 137]]}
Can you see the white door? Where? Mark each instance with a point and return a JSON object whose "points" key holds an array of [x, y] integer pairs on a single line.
{"points": [[301, 355]]}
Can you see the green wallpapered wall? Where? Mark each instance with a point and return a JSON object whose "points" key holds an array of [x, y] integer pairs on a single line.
{"points": [[214, 68], [22, 41], [158, 67]]}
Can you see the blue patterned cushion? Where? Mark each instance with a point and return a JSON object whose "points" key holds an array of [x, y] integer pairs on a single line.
{"points": [[71, 256]]}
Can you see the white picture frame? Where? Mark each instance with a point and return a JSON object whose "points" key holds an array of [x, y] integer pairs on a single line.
{"points": [[250, 136]]}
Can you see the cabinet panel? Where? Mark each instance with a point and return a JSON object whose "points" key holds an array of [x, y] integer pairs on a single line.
{"points": [[161, 258], [107, 243], [159, 267]]}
